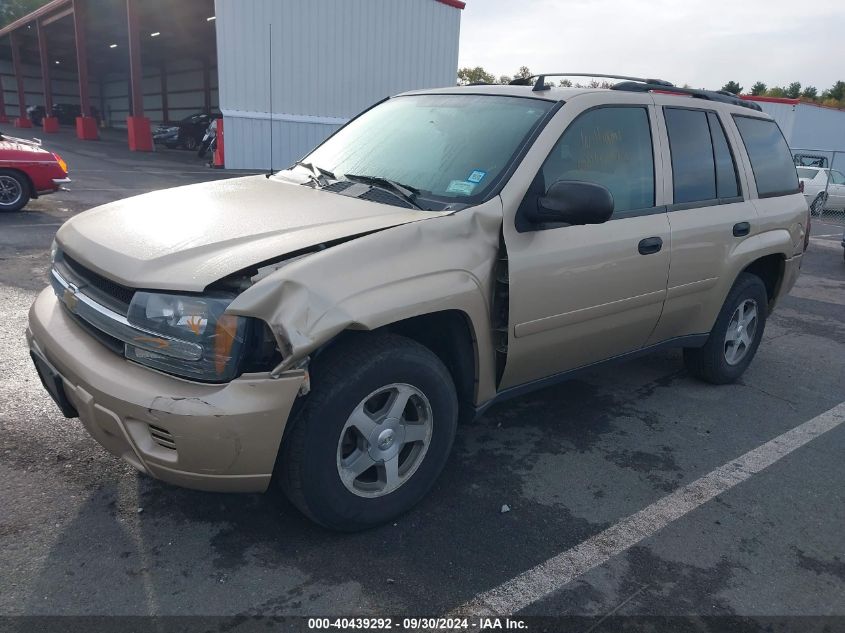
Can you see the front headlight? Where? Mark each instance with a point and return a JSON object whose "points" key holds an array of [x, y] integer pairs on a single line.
{"points": [[200, 320]]}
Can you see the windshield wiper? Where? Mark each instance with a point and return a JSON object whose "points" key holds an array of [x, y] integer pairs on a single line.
{"points": [[405, 192], [318, 174]]}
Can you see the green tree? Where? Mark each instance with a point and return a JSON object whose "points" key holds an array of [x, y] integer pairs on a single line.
{"points": [[793, 90], [777, 91], [758, 89], [836, 92], [732, 87], [505, 79], [810, 92], [11, 10], [565, 83], [523, 73], [474, 76]]}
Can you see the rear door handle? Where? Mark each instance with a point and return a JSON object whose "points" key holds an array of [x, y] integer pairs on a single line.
{"points": [[650, 245], [741, 229]]}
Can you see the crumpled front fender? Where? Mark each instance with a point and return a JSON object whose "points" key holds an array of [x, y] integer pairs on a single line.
{"points": [[433, 265]]}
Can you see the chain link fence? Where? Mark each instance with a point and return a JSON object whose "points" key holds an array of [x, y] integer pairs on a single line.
{"points": [[823, 174]]}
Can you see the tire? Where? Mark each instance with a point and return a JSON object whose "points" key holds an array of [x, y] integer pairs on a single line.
{"points": [[817, 206], [189, 143], [343, 378], [713, 362], [14, 190]]}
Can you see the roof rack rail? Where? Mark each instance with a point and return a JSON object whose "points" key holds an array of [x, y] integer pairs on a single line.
{"points": [[540, 84], [638, 84], [710, 95]]}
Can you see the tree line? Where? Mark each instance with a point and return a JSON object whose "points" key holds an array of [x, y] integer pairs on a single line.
{"points": [[833, 96]]}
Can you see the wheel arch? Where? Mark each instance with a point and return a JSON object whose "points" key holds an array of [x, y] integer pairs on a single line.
{"points": [[448, 334], [770, 269]]}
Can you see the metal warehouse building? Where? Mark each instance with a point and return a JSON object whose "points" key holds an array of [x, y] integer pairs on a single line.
{"points": [[330, 60], [284, 73], [806, 125]]}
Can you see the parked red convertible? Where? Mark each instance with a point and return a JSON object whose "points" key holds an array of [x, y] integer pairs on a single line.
{"points": [[27, 171]]}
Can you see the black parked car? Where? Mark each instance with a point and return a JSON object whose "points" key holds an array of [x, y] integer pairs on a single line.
{"points": [[66, 113], [186, 133]]}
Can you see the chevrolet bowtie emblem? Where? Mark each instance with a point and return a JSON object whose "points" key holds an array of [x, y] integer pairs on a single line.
{"points": [[70, 299]]}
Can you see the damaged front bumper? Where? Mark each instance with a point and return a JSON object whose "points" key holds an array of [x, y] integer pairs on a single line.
{"points": [[221, 438]]}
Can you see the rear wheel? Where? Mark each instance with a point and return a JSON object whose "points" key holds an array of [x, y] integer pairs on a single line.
{"points": [[736, 335], [373, 435], [189, 143], [14, 190]]}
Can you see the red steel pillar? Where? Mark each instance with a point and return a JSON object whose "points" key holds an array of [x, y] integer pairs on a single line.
{"points": [[22, 121], [3, 117], [86, 125], [140, 134], [49, 123]]}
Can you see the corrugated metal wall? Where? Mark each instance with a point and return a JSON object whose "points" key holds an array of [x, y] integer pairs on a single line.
{"points": [[808, 126], [331, 59], [65, 86], [819, 128], [185, 93]]}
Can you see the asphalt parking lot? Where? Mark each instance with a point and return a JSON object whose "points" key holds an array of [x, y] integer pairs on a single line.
{"points": [[83, 534]]}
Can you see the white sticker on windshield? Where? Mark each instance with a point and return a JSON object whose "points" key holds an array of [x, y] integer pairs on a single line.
{"points": [[477, 176], [462, 187]]}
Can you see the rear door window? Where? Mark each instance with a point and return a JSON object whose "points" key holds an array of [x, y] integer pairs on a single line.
{"points": [[771, 160], [727, 185], [809, 174], [693, 166]]}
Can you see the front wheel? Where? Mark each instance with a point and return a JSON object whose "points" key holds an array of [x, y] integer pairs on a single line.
{"points": [[14, 190], [817, 205], [374, 434], [734, 339]]}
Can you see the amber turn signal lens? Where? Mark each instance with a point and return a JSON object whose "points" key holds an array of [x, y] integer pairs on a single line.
{"points": [[61, 162], [225, 334]]}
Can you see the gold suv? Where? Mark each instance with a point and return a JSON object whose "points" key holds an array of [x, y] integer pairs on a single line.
{"points": [[326, 327]]}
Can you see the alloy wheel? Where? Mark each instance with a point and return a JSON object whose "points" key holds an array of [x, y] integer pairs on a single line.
{"points": [[741, 330], [10, 191], [384, 440]]}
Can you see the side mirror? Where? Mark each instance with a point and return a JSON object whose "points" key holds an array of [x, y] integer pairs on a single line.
{"points": [[574, 202]]}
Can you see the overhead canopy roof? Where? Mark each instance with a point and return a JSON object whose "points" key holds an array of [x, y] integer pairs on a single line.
{"points": [[185, 32]]}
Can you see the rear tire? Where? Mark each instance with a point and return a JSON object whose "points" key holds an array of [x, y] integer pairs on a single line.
{"points": [[327, 444], [735, 337], [14, 190]]}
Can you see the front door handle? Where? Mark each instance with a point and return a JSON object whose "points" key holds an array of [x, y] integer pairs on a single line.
{"points": [[650, 245], [741, 229]]}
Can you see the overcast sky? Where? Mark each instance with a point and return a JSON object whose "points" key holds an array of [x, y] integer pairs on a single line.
{"points": [[702, 43]]}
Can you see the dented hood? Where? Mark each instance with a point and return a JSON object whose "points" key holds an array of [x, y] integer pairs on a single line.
{"points": [[189, 237]]}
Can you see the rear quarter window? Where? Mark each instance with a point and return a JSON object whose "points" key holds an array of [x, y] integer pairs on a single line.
{"points": [[771, 160]]}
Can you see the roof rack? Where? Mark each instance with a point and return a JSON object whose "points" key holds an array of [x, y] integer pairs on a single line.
{"points": [[639, 84], [540, 84], [721, 96]]}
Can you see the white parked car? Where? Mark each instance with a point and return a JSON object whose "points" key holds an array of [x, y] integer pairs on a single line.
{"points": [[815, 180]]}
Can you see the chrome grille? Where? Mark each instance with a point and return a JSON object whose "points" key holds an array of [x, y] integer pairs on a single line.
{"points": [[105, 291]]}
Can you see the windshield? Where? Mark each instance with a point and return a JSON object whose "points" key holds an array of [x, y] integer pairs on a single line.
{"points": [[451, 148]]}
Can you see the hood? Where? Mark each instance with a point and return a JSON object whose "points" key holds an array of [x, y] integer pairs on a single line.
{"points": [[189, 237]]}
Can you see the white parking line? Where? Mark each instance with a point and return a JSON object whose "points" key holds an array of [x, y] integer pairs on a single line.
{"points": [[553, 574]]}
